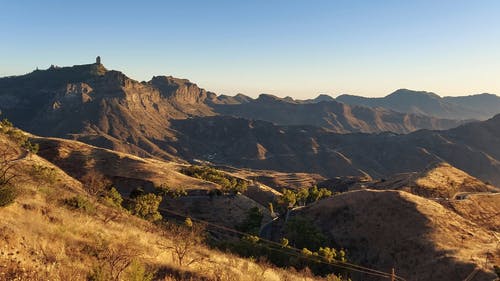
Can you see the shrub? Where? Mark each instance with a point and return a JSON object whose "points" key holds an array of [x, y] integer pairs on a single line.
{"points": [[173, 193], [80, 203], [146, 206], [7, 195], [228, 183], [138, 272], [113, 197], [251, 223], [30, 147], [43, 173], [287, 199], [95, 183], [303, 234]]}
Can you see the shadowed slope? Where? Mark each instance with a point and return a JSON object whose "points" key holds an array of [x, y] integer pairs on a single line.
{"points": [[420, 238]]}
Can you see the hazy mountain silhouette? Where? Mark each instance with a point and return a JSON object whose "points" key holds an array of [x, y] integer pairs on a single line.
{"points": [[478, 107]]}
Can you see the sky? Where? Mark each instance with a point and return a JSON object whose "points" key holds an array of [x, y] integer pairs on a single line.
{"points": [[297, 48]]}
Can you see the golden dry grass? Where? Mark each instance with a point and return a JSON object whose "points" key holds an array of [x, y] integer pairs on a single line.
{"points": [[42, 239]]}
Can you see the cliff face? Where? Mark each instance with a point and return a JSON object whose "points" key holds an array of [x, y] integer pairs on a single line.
{"points": [[101, 107]]}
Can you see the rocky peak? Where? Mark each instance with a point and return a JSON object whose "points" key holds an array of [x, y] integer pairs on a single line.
{"points": [[178, 90]]}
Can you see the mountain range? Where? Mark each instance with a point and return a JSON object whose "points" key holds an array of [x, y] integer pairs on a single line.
{"points": [[173, 118], [479, 107], [408, 183]]}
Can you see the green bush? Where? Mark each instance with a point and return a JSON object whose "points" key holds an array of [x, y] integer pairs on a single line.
{"points": [[113, 197], [138, 272], [80, 203], [228, 183], [302, 233], [7, 195], [146, 206], [30, 147], [173, 193], [251, 223], [43, 173]]}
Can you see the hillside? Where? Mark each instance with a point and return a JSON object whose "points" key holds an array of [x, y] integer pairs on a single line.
{"points": [[54, 230], [420, 238], [127, 172], [479, 107], [472, 148], [440, 180]]}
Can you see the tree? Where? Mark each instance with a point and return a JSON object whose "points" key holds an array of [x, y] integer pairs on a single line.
{"points": [[251, 223], [315, 194], [95, 183], [302, 233], [30, 147], [186, 238], [114, 260], [7, 165], [173, 193], [302, 196], [288, 198], [328, 254]]}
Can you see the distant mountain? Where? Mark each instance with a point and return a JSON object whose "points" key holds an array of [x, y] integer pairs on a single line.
{"points": [[331, 115], [479, 107], [473, 148]]}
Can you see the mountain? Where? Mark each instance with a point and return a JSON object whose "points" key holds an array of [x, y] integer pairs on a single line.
{"points": [[106, 108], [102, 107], [422, 239], [472, 148], [331, 115], [174, 119], [479, 107]]}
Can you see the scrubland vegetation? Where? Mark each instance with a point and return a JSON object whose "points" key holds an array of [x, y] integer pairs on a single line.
{"points": [[228, 183], [57, 228]]}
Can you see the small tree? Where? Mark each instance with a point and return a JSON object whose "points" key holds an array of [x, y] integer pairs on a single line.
{"points": [[95, 183], [302, 196], [288, 198], [114, 260], [7, 165], [31, 148], [316, 193], [173, 193], [252, 222], [186, 238], [113, 197]]}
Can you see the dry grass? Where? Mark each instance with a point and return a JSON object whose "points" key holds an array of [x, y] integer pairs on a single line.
{"points": [[42, 239], [420, 237], [439, 180]]}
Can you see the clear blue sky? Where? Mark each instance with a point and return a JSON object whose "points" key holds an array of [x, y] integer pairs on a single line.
{"points": [[292, 47]]}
